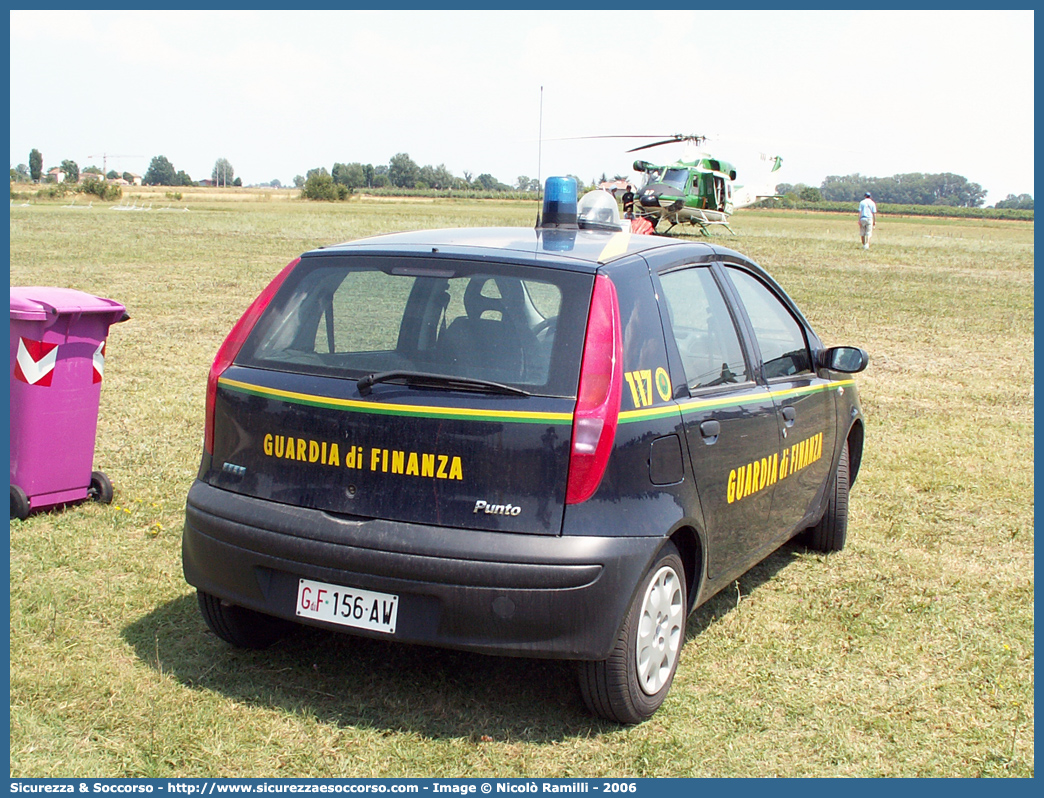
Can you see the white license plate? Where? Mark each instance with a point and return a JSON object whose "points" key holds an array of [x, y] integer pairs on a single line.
{"points": [[347, 606]]}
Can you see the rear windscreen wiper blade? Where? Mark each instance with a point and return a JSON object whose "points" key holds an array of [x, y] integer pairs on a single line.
{"points": [[425, 380]]}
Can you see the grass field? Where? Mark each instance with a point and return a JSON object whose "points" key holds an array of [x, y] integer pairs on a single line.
{"points": [[908, 654]]}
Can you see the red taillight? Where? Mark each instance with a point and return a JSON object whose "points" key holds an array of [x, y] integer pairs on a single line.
{"points": [[598, 401], [233, 343]]}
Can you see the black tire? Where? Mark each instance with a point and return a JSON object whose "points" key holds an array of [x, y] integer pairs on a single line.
{"points": [[100, 489], [239, 626], [630, 686], [19, 503], [830, 533]]}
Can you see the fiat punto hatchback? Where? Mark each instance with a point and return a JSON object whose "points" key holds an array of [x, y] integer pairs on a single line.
{"points": [[549, 442]]}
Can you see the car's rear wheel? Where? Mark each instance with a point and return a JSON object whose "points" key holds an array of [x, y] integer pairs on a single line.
{"points": [[239, 626], [830, 533], [632, 683]]}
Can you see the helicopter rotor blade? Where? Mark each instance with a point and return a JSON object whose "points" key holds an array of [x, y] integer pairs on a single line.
{"points": [[676, 139], [667, 138], [587, 138], [654, 144]]}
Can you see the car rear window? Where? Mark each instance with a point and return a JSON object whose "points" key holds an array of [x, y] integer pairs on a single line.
{"points": [[352, 315]]}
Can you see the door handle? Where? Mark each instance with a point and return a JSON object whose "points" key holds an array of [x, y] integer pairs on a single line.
{"points": [[789, 415], [710, 430]]}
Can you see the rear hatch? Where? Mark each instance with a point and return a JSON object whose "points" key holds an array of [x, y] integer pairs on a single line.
{"points": [[422, 389]]}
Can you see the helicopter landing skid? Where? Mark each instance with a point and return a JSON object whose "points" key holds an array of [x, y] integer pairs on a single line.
{"points": [[704, 226]]}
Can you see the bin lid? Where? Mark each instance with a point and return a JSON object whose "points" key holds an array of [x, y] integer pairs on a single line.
{"points": [[40, 303]]}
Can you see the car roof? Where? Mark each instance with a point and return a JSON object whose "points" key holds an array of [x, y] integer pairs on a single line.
{"points": [[579, 249]]}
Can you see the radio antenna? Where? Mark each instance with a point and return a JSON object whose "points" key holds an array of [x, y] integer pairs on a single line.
{"points": [[540, 145]]}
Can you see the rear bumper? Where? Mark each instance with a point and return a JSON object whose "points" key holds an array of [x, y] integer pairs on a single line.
{"points": [[492, 592]]}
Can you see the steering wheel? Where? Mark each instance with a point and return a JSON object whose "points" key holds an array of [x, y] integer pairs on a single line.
{"points": [[545, 327]]}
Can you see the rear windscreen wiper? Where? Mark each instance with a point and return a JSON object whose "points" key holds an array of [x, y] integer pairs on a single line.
{"points": [[425, 380]]}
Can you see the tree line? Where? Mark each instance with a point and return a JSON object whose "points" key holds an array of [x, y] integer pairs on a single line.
{"points": [[161, 172], [945, 189], [401, 172]]}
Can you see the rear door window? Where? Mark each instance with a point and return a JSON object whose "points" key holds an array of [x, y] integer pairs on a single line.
{"points": [[353, 316]]}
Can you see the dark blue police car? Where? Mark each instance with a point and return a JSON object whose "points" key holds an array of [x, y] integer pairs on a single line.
{"points": [[550, 442]]}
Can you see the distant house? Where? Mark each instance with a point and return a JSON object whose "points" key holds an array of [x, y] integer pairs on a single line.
{"points": [[57, 175], [135, 179]]}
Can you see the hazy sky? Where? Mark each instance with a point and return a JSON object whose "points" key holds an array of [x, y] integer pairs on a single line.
{"points": [[278, 93]]}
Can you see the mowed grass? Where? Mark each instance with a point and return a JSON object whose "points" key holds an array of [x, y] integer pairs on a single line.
{"points": [[908, 654]]}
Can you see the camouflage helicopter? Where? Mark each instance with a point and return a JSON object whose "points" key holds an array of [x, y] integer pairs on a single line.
{"points": [[699, 189]]}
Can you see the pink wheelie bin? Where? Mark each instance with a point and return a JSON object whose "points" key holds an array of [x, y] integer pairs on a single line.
{"points": [[57, 360]]}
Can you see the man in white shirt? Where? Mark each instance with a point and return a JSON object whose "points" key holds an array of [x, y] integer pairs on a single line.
{"points": [[867, 219]]}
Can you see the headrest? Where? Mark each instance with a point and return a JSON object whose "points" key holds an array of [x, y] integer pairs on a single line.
{"points": [[475, 304]]}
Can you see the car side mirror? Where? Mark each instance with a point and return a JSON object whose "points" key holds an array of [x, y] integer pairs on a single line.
{"points": [[848, 359]]}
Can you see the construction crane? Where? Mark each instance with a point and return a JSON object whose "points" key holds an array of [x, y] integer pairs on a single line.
{"points": [[105, 160]]}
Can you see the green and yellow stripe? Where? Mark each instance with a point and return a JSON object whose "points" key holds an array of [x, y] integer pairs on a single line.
{"points": [[517, 416], [686, 406], [396, 409]]}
